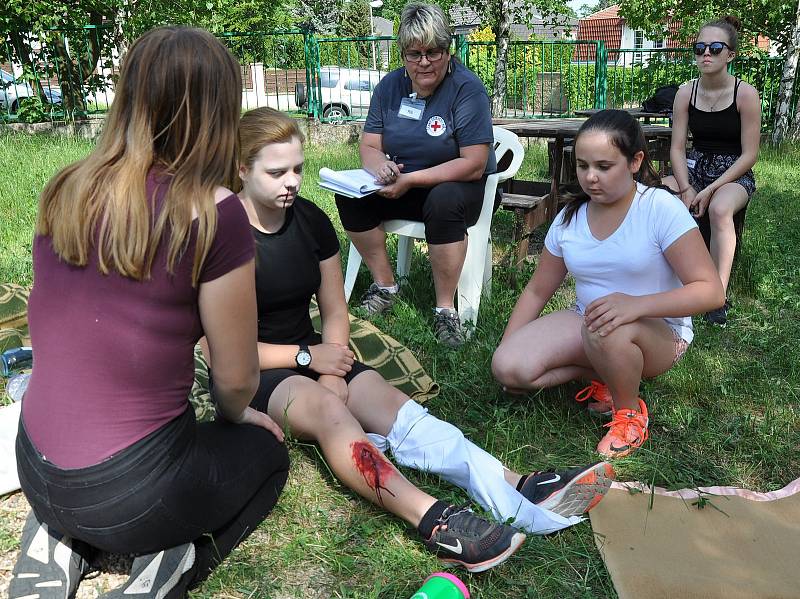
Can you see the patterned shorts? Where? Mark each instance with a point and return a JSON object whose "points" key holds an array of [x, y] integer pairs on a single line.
{"points": [[681, 345], [704, 169]]}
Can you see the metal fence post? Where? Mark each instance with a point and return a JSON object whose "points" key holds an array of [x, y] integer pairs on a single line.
{"points": [[600, 75], [462, 51], [312, 60]]}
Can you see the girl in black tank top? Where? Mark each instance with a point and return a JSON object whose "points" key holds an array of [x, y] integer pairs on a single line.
{"points": [[716, 132], [714, 178]]}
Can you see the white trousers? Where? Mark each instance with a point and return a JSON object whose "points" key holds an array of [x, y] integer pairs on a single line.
{"points": [[422, 441]]}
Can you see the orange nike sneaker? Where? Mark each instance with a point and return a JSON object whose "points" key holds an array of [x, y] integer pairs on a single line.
{"points": [[628, 432], [601, 404]]}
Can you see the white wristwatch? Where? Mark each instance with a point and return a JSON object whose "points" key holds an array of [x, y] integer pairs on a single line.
{"points": [[303, 357]]}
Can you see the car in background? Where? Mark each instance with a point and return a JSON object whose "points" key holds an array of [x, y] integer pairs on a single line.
{"points": [[346, 92], [12, 91]]}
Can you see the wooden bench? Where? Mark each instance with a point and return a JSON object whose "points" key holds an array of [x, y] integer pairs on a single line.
{"points": [[530, 202]]}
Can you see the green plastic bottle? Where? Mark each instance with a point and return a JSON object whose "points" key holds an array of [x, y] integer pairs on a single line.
{"points": [[441, 585]]}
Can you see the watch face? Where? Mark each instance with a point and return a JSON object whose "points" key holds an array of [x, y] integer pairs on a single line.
{"points": [[303, 358]]}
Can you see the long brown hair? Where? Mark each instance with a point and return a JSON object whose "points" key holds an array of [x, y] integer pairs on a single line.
{"points": [[176, 109], [260, 127], [625, 133]]}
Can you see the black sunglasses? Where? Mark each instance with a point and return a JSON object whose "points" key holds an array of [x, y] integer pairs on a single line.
{"points": [[714, 47]]}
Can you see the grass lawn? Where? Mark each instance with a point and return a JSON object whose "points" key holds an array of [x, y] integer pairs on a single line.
{"points": [[727, 414]]}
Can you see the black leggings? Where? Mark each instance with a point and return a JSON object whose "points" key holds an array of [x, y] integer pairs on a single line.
{"points": [[210, 483], [447, 209]]}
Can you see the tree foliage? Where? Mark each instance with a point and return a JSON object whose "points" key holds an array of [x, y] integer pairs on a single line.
{"points": [[773, 18], [49, 39]]}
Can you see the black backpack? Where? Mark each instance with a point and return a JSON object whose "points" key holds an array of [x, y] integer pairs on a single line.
{"points": [[662, 100]]}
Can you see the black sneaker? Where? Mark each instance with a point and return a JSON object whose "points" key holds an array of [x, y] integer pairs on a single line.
{"points": [[157, 575], [50, 565], [447, 328], [462, 538], [719, 316], [569, 492], [377, 301]]}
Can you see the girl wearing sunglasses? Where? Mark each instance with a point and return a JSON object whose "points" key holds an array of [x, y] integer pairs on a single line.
{"points": [[723, 114]]}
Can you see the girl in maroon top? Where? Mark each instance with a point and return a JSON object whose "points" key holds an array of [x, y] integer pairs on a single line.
{"points": [[140, 249]]}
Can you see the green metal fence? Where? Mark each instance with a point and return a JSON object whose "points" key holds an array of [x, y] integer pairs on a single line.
{"points": [[273, 64], [346, 72], [543, 78], [68, 74]]}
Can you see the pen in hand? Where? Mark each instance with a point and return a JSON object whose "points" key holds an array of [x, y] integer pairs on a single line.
{"points": [[389, 172]]}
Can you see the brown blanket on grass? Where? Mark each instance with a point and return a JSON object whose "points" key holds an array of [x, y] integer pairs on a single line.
{"points": [[726, 545]]}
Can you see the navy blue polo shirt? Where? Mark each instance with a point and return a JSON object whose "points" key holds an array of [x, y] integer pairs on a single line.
{"points": [[456, 115]]}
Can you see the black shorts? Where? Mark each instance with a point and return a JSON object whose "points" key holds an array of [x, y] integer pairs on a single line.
{"points": [[709, 167], [273, 377], [447, 209]]}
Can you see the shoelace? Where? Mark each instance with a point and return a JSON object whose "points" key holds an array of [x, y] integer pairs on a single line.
{"points": [[374, 297], [450, 323], [453, 510], [625, 419], [595, 388]]}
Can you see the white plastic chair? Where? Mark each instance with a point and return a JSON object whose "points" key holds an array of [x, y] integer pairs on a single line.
{"points": [[476, 275]]}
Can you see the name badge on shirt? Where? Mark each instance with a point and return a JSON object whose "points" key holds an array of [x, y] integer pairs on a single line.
{"points": [[690, 162], [411, 108]]}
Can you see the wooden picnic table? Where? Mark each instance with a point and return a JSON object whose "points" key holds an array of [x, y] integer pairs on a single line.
{"points": [[637, 113], [560, 129]]}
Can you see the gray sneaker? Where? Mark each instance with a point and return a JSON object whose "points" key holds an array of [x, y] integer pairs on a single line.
{"points": [[50, 565], [447, 328], [463, 539], [163, 575], [719, 316], [377, 301]]}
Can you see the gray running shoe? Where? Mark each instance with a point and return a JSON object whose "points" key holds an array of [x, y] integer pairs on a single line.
{"points": [[719, 316], [447, 328], [463, 539], [157, 575], [50, 565], [570, 492], [377, 301]]}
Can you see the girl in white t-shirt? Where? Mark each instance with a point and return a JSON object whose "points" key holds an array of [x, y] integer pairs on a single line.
{"points": [[640, 268]]}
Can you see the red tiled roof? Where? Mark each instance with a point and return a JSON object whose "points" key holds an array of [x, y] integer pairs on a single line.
{"points": [[608, 30], [612, 12]]}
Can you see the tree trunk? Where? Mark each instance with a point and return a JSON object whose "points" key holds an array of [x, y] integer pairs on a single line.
{"points": [[22, 50], [74, 66], [783, 113], [501, 36]]}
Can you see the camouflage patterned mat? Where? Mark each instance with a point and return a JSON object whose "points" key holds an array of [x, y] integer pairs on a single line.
{"points": [[394, 361]]}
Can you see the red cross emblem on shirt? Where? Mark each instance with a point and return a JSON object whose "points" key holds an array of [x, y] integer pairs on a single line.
{"points": [[436, 126]]}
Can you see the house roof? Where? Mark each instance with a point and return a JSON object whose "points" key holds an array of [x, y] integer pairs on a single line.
{"points": [[607, 25], [606, 29], [464, 20], [612, 12]]}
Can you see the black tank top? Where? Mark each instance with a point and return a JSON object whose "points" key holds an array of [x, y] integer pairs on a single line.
{"points": [[716, 132]]}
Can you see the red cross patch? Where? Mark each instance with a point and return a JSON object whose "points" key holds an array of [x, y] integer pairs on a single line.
{"points": [[436, 126]]}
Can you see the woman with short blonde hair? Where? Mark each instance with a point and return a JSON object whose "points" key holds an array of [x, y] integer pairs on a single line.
{"points": [[428, 139]]}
